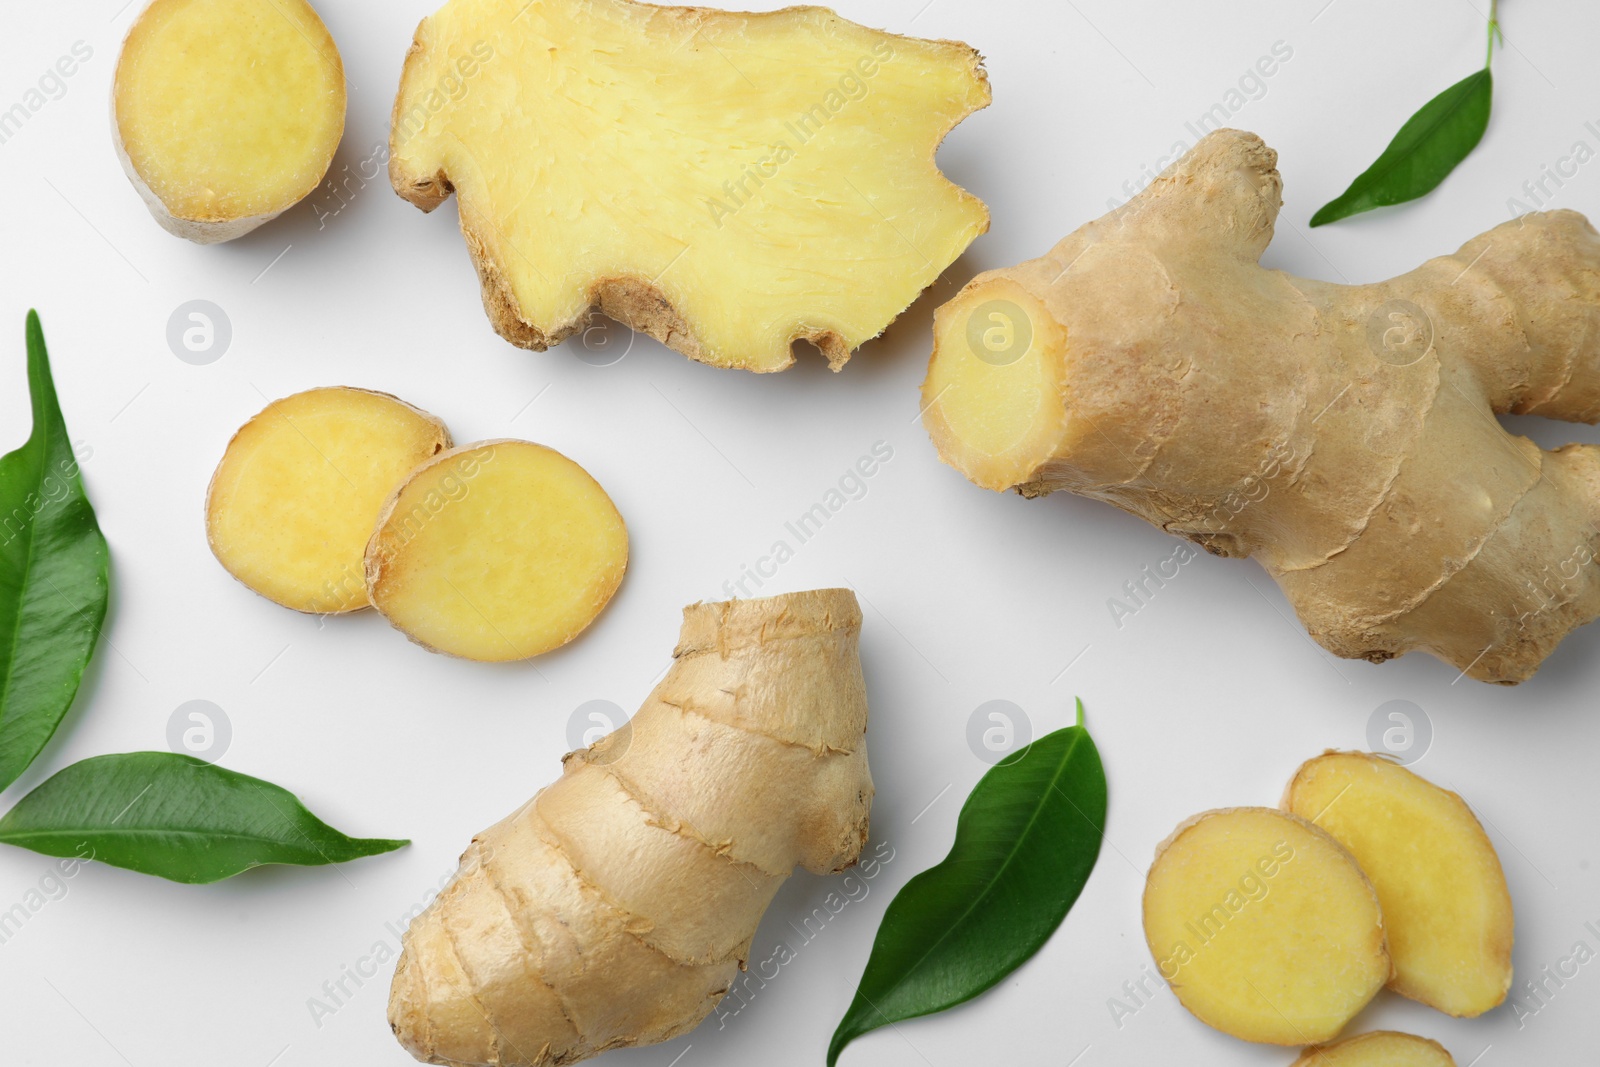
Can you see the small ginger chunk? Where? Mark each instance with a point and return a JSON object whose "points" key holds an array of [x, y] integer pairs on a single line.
{"points": [[227, 111]]}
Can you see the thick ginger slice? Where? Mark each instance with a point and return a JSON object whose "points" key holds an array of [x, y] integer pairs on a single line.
{"points": [[1445, 903], [1264, 927], [726, 183], [1380, 1048], [618, 905], [1343, 435], [496, 551], [227, 112], [293, 502]]}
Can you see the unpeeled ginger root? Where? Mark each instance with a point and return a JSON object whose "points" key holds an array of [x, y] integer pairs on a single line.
{"points": [[1343, 435], [292, 504], [227, 112], [617, 906], [1380, 1048], [1264, 926], [1445, 903], [727, 183]]}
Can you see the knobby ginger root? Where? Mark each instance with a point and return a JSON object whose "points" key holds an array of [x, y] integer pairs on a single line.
{"points": [[617, 906], [1264, 927], [496, 551], [1343, 435], [1380, 1048], [293, 502], [227, 112], [726, 183], [1445, 903]]}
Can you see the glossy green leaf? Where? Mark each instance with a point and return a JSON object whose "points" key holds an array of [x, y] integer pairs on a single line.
{"points": [[1026, 840], [1426, 149], [176, 817], [53, 576]]}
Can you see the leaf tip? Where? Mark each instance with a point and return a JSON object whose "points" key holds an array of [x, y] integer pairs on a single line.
{"points": [[1080, 712], [837, 1044]]}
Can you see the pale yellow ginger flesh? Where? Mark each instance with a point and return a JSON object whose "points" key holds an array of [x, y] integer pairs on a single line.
{"points": [[726, 183], [293, 502], [496, 551], [1380, 1048], [1445, 903], [1343, 435], [1264, 927], [227, 112], [618, 905]]}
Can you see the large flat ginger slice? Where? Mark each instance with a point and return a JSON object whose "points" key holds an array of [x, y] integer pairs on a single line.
{"points": [[293, 502], [227, 112], [618, 905], [496, 551], [1380, 1048], [726, 183], [1343, 435], [1264, 926], [1445, 902]]}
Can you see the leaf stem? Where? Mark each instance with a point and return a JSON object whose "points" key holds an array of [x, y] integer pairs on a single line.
{"points": [[1494, 31]]}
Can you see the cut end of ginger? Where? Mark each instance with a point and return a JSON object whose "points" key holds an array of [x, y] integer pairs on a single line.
{"points": [[1380, 1048], [727, 183], [1264, 927], [496, 551], [293, 502], [992, 401], [1445, 902], [227, 112]]}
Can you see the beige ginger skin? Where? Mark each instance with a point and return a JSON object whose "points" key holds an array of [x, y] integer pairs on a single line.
{"points": [[617, 906], [1343, 435]]}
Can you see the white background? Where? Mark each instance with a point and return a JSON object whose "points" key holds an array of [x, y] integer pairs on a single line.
{"points": [[1208, 696]]}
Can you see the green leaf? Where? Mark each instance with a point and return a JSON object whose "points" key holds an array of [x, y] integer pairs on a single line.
{"points": [[1026, 840], [1426, 149], [53, 576], [176, 817]]}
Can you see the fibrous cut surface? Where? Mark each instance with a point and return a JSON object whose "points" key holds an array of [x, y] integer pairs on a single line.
{"points": [[496, 551], [1381, 1048], [228, 110], [727, 183], [295, 498], [1264, 927], [1445, 902]]}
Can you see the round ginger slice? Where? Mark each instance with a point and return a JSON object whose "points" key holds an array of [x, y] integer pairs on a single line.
{"points": [[227, 112], [294, 500], [1264, 926], [1444, 896], [1380, 1048], [496, 551]]}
